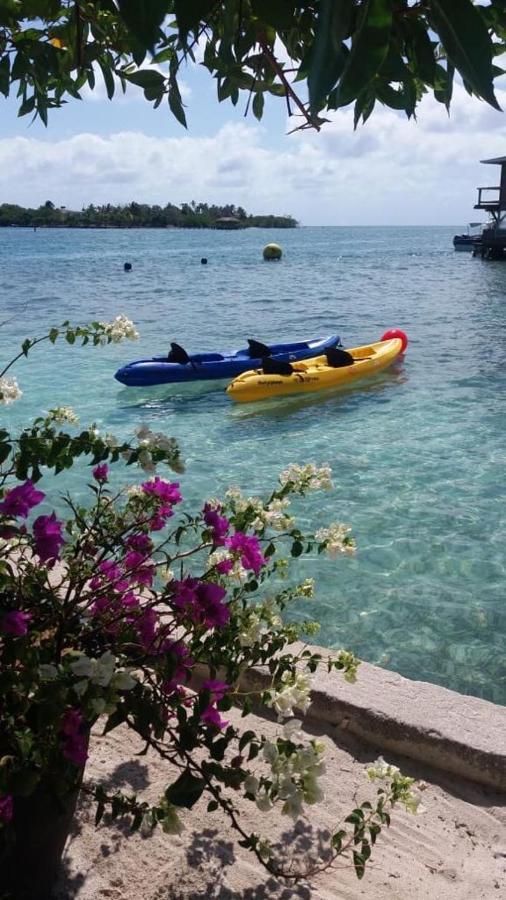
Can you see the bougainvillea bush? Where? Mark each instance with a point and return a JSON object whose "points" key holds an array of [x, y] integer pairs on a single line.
{"points": [[131, 610]]}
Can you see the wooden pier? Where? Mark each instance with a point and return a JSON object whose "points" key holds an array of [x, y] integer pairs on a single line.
{"points": [[493, 200]]}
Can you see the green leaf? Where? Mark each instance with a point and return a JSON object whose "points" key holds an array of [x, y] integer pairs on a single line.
{"points": [[99, 813], [176, 107], [25, 346], [4, 75], [444, 84], [467, 43], [279, 14], [364, 106], [108, 78], [5, 449], [258, 105], [186, 790], [53, 334], [359, 863], [164, 55], [328, 59], [190, 13], [390, 97], [369, 50], [154, 93], [224, 88], [143, 18], [42, 110], [337, 840], [145, 78], [19, 66], [356, 817], [27, 106], [423, 52]]}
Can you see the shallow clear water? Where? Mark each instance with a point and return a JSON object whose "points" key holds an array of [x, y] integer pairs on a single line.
{"points": [[418, 455]]}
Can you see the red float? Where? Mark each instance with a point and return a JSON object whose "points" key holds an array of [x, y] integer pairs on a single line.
{"points": [[396, 333]]}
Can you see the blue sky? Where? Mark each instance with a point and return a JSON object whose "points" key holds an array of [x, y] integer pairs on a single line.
{"points": [[389, 171]]}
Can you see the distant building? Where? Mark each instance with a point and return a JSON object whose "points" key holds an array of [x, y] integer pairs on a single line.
{"points": [[230, 222]]}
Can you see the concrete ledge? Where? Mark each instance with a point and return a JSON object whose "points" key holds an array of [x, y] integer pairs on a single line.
{"points": [[459, 734]]}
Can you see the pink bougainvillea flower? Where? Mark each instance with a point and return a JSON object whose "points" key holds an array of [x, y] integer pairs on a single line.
{"points": [[167, 491], [21, 499], [167, 494], [211, 715], [47, 531], [110, 570], [139, 568], [219, 525], [158, 521], [140, 542], [72, 721], [75, 749], [75, 742], [101, 473], [15, 622], [182, 664], [212, 611], [6, 808], [218, 689], [201, 602], [146, 627], [248, 547]]}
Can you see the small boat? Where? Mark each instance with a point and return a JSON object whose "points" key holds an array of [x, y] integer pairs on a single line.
{"points": [[179, 366], [335, 369], [469, 240]]}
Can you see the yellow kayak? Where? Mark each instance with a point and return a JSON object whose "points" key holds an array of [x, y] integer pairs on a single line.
{"points": [[317, 374]]}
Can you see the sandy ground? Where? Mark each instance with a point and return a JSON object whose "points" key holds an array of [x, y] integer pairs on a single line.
{"points": [[454, 848]]}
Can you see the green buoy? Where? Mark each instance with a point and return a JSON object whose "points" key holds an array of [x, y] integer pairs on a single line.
{"points": [[272, 251]]}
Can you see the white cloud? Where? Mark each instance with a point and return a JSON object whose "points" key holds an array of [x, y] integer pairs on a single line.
{"points": [[389, 172]]}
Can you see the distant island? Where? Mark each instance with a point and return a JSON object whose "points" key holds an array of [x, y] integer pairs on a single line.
{"points": [[139, 215]]}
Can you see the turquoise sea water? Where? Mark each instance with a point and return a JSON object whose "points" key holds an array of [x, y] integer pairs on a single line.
{"points": [[418, 455]]}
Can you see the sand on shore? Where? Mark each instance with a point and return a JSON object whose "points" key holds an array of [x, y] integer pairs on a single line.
{"points": [[455, 847]]}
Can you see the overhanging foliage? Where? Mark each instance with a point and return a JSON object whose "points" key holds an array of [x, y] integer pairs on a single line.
{"points": [[318, 55]]}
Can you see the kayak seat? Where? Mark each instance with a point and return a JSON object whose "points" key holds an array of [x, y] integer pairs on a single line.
{"points": [[337, 358], [178, 354], [257, 350], [276, 366]]}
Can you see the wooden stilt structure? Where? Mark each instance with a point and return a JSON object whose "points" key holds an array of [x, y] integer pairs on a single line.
{"points": [[493, 201]]}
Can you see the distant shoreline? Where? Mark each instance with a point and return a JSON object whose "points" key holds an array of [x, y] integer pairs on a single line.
{"points": [[139, 215], [142, 227]]}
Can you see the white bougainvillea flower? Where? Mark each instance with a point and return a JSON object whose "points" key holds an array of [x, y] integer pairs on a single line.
{"points": [[336, 539], [62, 414], [307, 478], [9, 391], [121, 329]]}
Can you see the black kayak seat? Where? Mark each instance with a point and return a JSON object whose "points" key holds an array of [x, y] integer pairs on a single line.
{"points": [[276, 366], [257, 350], [178, 354], [337, 358]]}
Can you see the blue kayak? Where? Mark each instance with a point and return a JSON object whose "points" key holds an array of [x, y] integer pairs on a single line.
{"points": [[178, 366]]}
